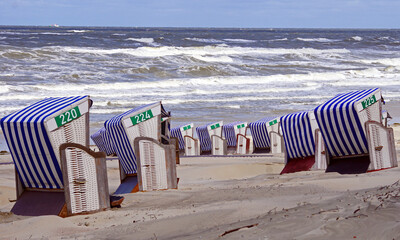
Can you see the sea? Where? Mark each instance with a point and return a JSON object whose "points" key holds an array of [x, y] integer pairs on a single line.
{"points": [[201, 75]]}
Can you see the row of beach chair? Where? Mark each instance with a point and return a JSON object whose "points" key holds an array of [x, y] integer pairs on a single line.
{"points": [[57, 173], [347, 134]]}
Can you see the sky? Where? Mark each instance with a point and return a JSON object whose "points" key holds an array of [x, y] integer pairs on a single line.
{"points": [[204, 13]]}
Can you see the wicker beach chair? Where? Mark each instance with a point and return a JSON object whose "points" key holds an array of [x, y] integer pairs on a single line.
{"points": [[211, 141], [187, 143], [146, 154], [235, 135], [275, 135], [56, 172], [259, 133], [299, 132], [102, 140], [356, 137]]}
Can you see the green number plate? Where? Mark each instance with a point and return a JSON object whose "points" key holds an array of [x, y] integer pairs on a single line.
{"points": [[215, 126], [240, 126], [368, 102], [186, 127], [142, 117], [67, 116], [273, 122]]}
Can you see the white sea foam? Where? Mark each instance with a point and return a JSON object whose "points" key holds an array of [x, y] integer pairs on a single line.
{"points": [[220, 59], [357, 38], [316, 39], [276, 40], [142, 40], [384, 61], [199, 51], [239, 40], [79, 31], [204, 40], [55, 33]]}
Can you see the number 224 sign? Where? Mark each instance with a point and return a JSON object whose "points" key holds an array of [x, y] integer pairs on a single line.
{"points": [[142, 117]]}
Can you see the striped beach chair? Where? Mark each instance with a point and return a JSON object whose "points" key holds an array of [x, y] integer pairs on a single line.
{"points": [[259, 133], [356, 139], [211, 141], [187, 143], [56, 172], [299, 131], [102, 140], [235, 135], [139, 136]]}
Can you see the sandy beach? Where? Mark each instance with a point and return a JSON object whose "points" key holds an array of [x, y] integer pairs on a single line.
{"points": [[229, 198]]}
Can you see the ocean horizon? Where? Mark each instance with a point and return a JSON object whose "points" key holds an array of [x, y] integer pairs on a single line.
{"points": [[201, 75]]}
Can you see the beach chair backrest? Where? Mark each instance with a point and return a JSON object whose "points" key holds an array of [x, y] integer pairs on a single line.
{"points": [[35, 133], [342, 121], [298, 134]]}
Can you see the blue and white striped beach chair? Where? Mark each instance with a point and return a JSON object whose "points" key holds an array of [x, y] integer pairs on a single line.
{"points": [[299, 131], [259, 133], [356, 140], [187, 144], [152, 161], [46, 181], [211, 141], [102, 140], [235, 135]]}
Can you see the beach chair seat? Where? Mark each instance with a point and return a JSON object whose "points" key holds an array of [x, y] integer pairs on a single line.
{"points": [[357, 140], [210, 138], [299, 133], [35, 136], [151, 121]]}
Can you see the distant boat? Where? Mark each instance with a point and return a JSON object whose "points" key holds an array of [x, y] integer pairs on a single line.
{"points": [[54, 25]]}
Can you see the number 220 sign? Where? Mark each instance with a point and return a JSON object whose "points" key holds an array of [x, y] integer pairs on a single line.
{"points": [[67, 116]]}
